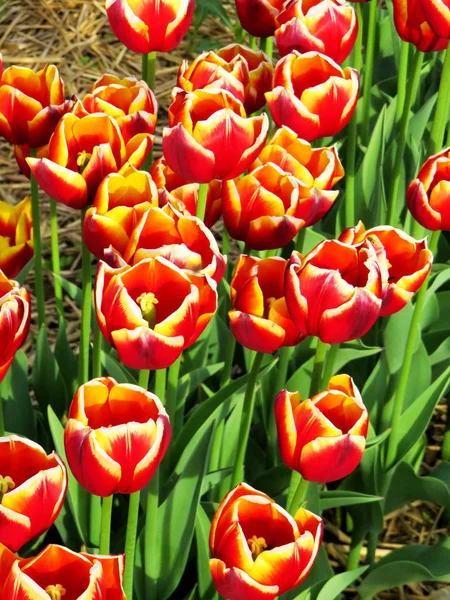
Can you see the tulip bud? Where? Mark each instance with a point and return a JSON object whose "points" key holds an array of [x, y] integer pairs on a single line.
{"points": [[413, 27], [258, 17], [16, 236]]}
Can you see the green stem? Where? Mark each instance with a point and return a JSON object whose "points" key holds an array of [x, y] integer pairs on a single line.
{"points": [[283, 366], [316, 375], [413, 334], [144, 376], [268, 46], [105, 527], [2, 418], [173, 375], [130, 543], [354, 554], [149, 69], [97, 351], [86, 310], [151, 542], [401, 141], [329, 365], [368, 64], [402, 81], [441, 114], [160, 384], [252, 42], [300, 240], [229, 357], [445, 454], [299, 495], [56, 266], [246, 421], [38, 272], [201, 201], [95, 511]]}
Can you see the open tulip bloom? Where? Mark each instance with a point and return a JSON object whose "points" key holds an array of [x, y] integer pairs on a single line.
{"points": [[16, 236]]}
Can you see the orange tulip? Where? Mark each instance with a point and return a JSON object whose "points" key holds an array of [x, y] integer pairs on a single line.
{"points": [[22, 152], [58, 573], [404, 262], [119, 204], [152, 311], [327, 26], [82, 151], [428, 196], [152, 26], [15, 314], [322, 438], [16, 236], [184, 195], [129, 101], [412, 26], [259, 318], [312, 94], [210, 137], [107, 453], [31, 104], [258, 17], [335, 291], [437, 14], [32, 490], [259, 551]]}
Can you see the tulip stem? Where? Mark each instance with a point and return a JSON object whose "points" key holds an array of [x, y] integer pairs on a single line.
{"points": [[300, 485], [149, 69], [246, 420], [440, 117], [329, 364], [201, 201], [97, 351], [86, 310], [160, 384], [2, 418], [354, 555], [368, 63], [413, 334], [300, 240], [56, 265], [401, 139], [173, 375], [105, 527], [38, 273], [130, 543], [144, 376], [252, 42], [402, 81], [283, 365], [268, 46], [316, 375]]}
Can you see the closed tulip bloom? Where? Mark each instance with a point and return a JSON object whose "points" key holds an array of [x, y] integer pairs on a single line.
{"points": [[335, 291], [412, 26], [116, 436], [327, 26], [210, 137], [32, 490], [258, 17], [31, 104], [82, 152], [16, 236], [58, 573], [428, 196], [152, 311], [404, 262], [152, 26], [437, 14], [15, 315], [258, 550], [119, 204], [312, 94], [322, 438], [259, 318]]}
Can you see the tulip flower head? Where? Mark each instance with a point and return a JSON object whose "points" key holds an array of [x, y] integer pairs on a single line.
{"points": [[437, 14], [312, 95], [16, 236], [404, 262], [327, 26], [210, 137], [258, 17], [428, 196], [32, 490], [322, 438], [258, 550], [259, 318], [413, 27], [153, 26], [116, 436]]}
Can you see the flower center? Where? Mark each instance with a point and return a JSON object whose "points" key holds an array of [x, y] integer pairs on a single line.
{"points": [[6, 485], [83, 159], [256, 545], [56, 592], [147, 302]]}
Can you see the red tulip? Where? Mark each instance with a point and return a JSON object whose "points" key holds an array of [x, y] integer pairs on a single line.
{"points": [[412, 26], [258, 17], [16, 236], [322, 438], [22, 152], [437, 14]]}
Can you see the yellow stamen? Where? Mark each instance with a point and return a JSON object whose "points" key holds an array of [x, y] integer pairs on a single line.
{"points": [[56, 592], [83, 160], [6, 485], [256, 545], [147, 302]]}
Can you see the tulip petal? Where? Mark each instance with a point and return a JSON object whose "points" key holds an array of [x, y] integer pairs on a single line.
{"points": [[235, 583], [256, 333], [186, 156], [143, 348], [328, 459], [61, 184]]}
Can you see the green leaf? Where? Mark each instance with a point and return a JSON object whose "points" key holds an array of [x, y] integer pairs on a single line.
{"points": [[206, 589], [75, 292], [405, 486], [66, 359], [378, 439], [190, 382], [273, 481], [335, 498], [338, 583], [395, 336], [17, 406], [353, 351], [116, 369], [21, 277], [213, 478], [48, 383]]}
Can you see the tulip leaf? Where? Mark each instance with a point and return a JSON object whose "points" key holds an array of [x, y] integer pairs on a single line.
{"points": [[66, 359], [206, 589], [395, 335], [353, 351], [378, 439], [75, 292], [116, 370], [335, 498], [211, 479], [190, 382], [17, 406], [320, 571], [338, 583], [273, 481], [21, 277]]}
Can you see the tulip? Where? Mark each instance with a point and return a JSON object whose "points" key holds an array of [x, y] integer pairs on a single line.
{"points": [[119, 204], [107, 452], [184, 195], [82, 152], [259, 318], [31, 104], [258, 17], [335, 291], [312, 95], [210, 137], [16, 236], [259, 551], [15, 314], [327, 26], [22, 152], [129, 101], [153, 26], [428, 196], [437, 14], [152, 311], [404, 262], [322, 438], [32, 490], [57, 573], [413, 27]]}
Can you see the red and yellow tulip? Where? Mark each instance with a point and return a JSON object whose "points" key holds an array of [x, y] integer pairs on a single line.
{"points": [[437, 14], [258, 17], [16, 236], [322, 438], [258, 550], [412, 26]]}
